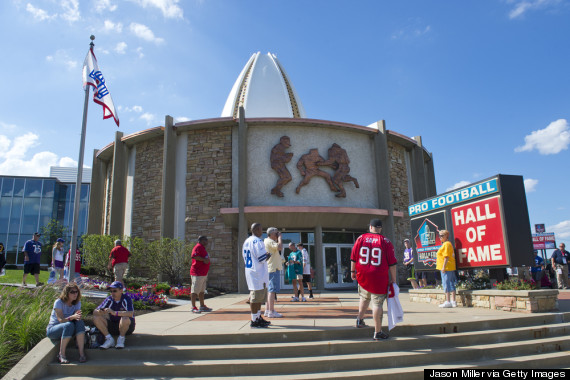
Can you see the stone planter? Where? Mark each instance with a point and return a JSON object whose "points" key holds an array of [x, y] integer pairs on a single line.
{"points": [[526, 301]]}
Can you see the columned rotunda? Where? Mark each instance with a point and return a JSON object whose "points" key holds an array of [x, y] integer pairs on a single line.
{"points": [[262, 160]]}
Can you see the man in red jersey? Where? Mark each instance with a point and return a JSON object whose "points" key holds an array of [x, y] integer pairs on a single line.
{"points": [[373, 265], [199, 273], [119, 260]]}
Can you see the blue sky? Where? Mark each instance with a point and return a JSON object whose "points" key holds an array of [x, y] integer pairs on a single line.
{"points": [[485, 83]]}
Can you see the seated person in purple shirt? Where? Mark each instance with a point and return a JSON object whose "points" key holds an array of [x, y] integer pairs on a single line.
{"points": [[115, 316]]}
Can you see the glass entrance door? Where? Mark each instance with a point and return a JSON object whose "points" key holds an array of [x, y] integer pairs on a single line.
{"points": [[337, 266]]}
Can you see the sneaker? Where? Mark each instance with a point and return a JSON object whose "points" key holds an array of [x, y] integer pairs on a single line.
{"points": [[380, 335], [446, 305], [311, 296], [205, 308], [109, 342], [120, 342], [258, 323], [274, 314], [266, 313], [39, 284], [303, 299], [453, 303], [195, 310], [263, 321], [294, 299], [360, 323]]}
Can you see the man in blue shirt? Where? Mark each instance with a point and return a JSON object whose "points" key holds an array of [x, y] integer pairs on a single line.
{"points": [[537, 268], [115, 316], [559, 260], [32, 253]]}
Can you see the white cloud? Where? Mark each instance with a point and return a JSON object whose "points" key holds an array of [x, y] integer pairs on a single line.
{"points": [[39, 14], [68, 162], [121, 48], [414, 30], [562, 230], [143, 31], [13, 155], [7, 127], [530, 185], [140, 52], [70, 10], [110, 26], [181, 119], [62, 58], [523, 6], [137, 109], [104, 6], [169, 8], [550, 140], [458, 185], [149, 118]]}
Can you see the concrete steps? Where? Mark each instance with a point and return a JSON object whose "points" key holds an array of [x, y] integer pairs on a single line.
{"points": [[525, 342]]}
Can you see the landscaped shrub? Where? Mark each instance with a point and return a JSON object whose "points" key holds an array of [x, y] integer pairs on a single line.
{"points": [[171, 257], [24, 315], [96, 250], [162, 287]]}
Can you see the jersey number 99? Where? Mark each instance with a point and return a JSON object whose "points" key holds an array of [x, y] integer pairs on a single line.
{"points": [[372, 257]]}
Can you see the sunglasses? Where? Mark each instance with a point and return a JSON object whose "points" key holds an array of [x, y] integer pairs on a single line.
{"points": [[114, 290], [74, 292]]}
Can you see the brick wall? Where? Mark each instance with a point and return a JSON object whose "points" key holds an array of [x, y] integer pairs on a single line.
{"points": [[147, 190], [209, 188], [400, 201]]}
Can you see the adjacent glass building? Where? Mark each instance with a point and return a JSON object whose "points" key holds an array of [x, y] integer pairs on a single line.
{"points": [[29, 203]]}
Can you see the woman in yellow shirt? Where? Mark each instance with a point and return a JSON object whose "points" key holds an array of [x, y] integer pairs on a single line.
{"points": [[446, 264]]}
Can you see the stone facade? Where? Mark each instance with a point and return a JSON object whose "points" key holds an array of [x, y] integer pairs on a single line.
{"points": [[147, 190], [525, 301], [209, 188], [400, 202]]}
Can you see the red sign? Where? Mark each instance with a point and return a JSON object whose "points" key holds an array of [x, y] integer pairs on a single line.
{"points": [[545, 240], [478, 233]]}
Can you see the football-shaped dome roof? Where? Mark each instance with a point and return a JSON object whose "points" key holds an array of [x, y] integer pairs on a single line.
{"points": [[264, 90]]}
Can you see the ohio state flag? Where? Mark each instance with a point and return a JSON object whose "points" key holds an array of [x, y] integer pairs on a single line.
{"points": [[92, 76]]}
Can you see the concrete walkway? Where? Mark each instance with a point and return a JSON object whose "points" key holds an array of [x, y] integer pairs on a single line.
{"points": [[327, 310]]}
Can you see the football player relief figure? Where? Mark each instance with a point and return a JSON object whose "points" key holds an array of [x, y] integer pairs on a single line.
{"points": [[308, 165], [278, 160], [338, 160]]}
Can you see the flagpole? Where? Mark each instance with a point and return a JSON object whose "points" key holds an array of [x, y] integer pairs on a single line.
{"points": [[77, 200]]}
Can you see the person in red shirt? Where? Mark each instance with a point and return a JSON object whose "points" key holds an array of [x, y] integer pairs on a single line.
{"points": [[119, 260], [373, 265], [199, 273]]}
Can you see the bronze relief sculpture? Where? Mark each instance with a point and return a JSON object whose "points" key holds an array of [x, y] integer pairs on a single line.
{"points": [[309, 166], [278, 160]]}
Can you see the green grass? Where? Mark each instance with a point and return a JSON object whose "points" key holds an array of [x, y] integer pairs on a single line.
{"points": [[14, 276], [24, 315]]}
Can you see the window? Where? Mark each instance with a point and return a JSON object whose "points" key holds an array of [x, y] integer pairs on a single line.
{"points": [[33, 188]]}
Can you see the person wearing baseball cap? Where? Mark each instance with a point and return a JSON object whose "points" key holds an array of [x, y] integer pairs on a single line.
{"points": [[115, 316], [32, 256], [57, 254], [373, 265], [409, 263]]}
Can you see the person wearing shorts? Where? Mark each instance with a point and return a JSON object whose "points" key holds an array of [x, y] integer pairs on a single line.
{"points": [[199, 273], [119, 260], [409, 263], [295, 273], [306, 269], [274, 245], [446, 264], [115, 316], [32, 255], [57, 254], [255, 258], [373, 265]]}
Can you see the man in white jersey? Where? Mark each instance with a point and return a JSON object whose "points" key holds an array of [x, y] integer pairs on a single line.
{"points": [[306, 269], [256, 274]]}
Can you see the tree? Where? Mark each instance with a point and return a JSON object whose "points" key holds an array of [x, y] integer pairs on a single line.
{"points": [[50, 233], [138, 248], [171, 257], [96, 250]]}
